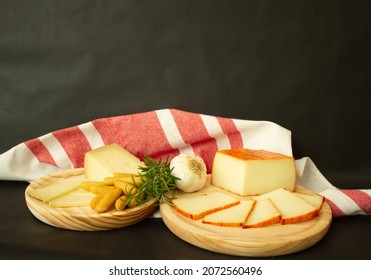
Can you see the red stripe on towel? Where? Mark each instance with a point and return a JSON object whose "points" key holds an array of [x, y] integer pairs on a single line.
{"points": [[229, 128], [74, 143], [336, 211], [140, 134], [362, 199], [40, 151], [194, 133]]}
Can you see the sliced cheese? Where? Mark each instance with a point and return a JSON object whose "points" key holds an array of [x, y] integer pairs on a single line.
{"points": [[234, 216], [292, 207], [197, 207], [103, 162], [77, 198], [252, 172], [53, 190], [263, 214], [315, 200]]}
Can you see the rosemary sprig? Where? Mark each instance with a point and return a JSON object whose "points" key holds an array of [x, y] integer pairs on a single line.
{"points": [[156, 180]]}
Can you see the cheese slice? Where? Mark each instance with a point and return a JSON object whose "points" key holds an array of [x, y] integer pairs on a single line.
{"points": [[77, 198], [197, 207], [103, 162], [315, 200], [263, 214], [54, 189], [252, 172], [292, 207], [234, 216]]}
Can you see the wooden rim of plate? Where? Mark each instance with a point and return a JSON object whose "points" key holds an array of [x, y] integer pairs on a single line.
{"points": [[273, 240], [83, 218]]}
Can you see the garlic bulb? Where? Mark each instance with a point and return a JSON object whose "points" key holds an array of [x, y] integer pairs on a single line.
{"points": [[191, 170]]}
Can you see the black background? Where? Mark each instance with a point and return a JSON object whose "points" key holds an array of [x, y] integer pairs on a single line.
{"points": [[302, 64]]}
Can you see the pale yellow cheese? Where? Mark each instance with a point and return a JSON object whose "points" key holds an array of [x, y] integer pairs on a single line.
{"points": [[197, 207], [263, 214], [76, 198], [314, 199], [292, 207], [54, 189], [231, 217], [252, 172], [103, 162]]}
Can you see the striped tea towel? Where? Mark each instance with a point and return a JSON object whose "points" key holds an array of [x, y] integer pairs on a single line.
{"points": [[343, 202], [163, 133]]}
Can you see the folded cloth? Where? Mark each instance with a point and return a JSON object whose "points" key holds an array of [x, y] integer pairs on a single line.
{"points": [[166, 133], [343, 202]]}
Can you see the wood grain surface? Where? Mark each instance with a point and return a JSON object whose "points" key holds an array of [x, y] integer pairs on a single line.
{"points": [[273, 240], [83, 218]]}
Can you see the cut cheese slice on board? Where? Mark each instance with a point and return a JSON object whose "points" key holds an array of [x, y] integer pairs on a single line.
{"points": [[315, 200], [292, 207], [263, 214], [197, 207], [234, 216], [77, 198], [53, 190]]}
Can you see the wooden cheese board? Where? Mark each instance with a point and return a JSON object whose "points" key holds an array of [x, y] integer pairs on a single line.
{"points": [[83, 218], [267, 241], [273, 240]]}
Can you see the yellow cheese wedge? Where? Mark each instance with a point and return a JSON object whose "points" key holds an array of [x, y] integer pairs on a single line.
{"points": [[53, 190], [315, 200], [197, 207], [293, 208], [263, 214], [77, 198], [103, 162], [234, 216], [252, 172]]}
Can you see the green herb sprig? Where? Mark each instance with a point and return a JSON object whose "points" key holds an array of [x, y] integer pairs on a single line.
{"points": [[156, 180]]}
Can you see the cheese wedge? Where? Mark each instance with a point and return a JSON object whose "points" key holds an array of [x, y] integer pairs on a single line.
{"points": [[103, 162], [292, 207], [53, 190], [197, 207], [315, 200], [252, 172], [77, 198], [263, 214], [234, 216]]}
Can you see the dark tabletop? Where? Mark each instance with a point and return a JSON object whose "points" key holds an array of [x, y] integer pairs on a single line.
{"points": [[25, 237]]}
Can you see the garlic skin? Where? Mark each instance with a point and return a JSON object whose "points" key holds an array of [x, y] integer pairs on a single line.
{"points": [[191, 170]]}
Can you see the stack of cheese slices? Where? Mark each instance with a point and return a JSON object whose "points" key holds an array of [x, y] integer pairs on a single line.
{"points": [[256, 189]]}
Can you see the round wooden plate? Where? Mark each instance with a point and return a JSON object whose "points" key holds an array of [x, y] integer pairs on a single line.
{"points": [[83, 218], [273, 240]]}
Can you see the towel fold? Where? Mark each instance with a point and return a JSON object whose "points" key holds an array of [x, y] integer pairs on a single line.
{"points": [[343, 202]]}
